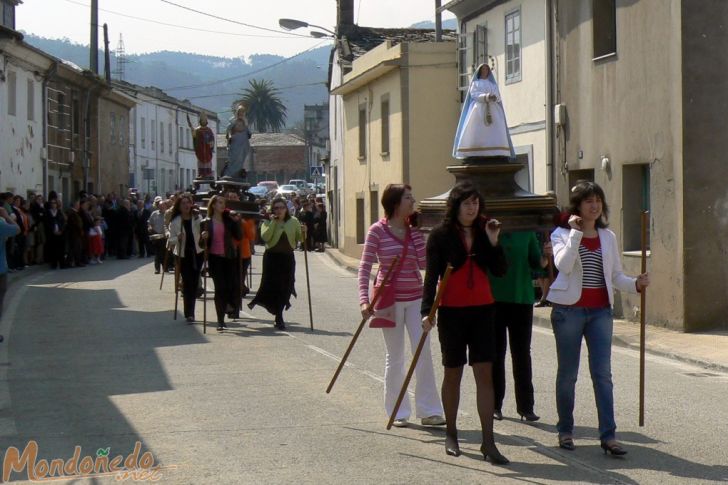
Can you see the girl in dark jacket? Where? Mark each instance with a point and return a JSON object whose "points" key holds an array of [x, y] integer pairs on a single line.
{"points": [[223, 233], [466, 328]]}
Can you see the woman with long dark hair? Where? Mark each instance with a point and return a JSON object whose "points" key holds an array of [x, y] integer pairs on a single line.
{"points": [[468, 242], [185, 236], [223, 229], [280, 234], [588, 259], [393, 236]]}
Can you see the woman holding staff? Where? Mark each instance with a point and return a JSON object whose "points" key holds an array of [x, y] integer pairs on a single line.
{"points": [[185, 236], [223, 229], [588, 259], [280, 234], [466, 328], [388, 238]]}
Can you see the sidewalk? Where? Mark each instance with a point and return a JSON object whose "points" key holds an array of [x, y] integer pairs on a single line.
{"points": [[709, 350]]}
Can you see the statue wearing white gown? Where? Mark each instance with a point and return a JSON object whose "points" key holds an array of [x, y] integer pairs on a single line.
{"points": [[482, 129]]}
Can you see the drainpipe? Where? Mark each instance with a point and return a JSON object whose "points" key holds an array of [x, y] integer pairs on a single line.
{"points": [[44, 93], [550, 68]]}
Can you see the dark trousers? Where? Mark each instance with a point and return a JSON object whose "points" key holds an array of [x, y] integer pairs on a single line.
{"points": [[517, 320], [190, 271], [55, 246], [75, 249], [160, 249], [244, 279], [3, 290], [224, 272]]}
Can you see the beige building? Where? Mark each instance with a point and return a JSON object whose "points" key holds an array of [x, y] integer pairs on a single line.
{"points": [[643, 114], [400, 111]]}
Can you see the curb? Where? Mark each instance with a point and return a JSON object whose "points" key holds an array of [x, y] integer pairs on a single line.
{"points": [[545, 322]]}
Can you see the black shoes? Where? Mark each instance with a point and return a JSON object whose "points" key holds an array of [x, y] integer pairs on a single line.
{"points": [[498, 415], [280, 324], [613, 449], [451, 445], [529, 416], [495, 456]]}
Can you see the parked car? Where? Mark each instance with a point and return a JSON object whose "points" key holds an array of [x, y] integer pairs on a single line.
{"points": [[286, 190], [259, 191], [270, 185], [301, 185]]}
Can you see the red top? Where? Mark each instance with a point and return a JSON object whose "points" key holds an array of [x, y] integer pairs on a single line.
{"points": [[594, 292], [468, 286]]}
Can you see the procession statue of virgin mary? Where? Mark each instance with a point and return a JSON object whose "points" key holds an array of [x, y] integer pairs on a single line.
{"points": [[482, 130]]}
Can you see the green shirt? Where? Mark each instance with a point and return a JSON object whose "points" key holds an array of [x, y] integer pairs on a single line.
{"points": [[271, 231], [524, 256]]}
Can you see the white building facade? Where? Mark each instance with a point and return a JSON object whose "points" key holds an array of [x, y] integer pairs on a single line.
{"points": [[162, 157], [21, 118]]}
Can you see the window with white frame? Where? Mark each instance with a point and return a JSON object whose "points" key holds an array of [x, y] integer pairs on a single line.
{"points": [[480, 46], [112, 127], [463, 60], [153, 133], [169, 132], [31, 100], [161, 137], [144, 132], [513, 46], [12, 92]]}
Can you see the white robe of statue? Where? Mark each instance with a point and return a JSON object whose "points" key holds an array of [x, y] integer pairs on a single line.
{"points": [[484, 131]]}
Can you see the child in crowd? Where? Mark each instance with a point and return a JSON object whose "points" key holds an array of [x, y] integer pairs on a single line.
{"points": [[96, 241]]}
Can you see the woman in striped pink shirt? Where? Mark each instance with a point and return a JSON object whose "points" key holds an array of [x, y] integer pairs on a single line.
{"points": [[385, 240]]}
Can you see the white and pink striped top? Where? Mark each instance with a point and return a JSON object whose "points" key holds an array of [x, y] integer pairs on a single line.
{"points": [[381, 245]]}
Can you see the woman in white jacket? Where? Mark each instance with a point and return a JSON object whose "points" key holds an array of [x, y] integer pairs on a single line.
{"points": [[588, 260], [185, 235]]}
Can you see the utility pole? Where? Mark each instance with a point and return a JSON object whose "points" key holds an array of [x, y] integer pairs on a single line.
{"points": [[94, 59], [107, 58], [438, 21]]}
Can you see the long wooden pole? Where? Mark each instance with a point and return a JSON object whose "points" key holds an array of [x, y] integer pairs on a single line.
{"points": [[204, 292], [176, 285], [308, 283], [364, 319], [420, 346], [643, 308], [164, 268]]}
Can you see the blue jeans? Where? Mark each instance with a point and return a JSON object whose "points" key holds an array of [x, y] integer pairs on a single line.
{"points": [[570, 324]]}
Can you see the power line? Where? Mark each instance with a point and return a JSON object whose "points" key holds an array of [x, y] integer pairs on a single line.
{"points": [[241, 76], [230, 20], [292, 86], [187, 27]]}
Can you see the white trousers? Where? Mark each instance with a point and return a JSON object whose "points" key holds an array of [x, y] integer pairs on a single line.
{"points": [[427, 399]]}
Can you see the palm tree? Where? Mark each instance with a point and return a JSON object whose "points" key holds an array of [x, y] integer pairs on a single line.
{"points": [[265, 110]]}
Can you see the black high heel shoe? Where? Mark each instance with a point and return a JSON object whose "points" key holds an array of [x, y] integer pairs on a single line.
{"points": [[452, 447], [613, 449], [529, 416], [495, 456]]}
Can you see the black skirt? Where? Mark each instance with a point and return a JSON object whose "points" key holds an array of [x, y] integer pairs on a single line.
{"points": [[277, 282]]}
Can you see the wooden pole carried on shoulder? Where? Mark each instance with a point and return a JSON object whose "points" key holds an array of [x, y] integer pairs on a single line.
{"points": [[164, 267], [420, 346], [308, 282], [364, 320], [643, 308]]}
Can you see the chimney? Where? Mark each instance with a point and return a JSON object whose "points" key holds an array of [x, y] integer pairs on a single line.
{"points": [[344, 17]]}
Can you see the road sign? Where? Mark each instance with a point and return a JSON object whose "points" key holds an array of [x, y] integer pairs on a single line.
{"points": [[317, 172]]}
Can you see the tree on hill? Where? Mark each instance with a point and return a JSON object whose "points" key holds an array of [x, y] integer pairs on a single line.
{"points": [[265, 110]]}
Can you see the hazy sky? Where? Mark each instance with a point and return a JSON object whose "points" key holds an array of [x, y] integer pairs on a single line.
{"points": [[71, 18]]}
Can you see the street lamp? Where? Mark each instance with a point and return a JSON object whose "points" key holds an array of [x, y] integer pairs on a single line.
{"points": [[293, 24]]}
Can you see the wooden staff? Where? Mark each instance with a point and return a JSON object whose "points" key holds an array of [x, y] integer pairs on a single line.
{"points": [[204, 292], [308, 283], [643, 301], [421, 345], [164, 267], [176, 285], [364, 319]]}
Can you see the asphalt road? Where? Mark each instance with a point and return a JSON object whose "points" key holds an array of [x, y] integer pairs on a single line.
{"points": [[93, 358]]}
